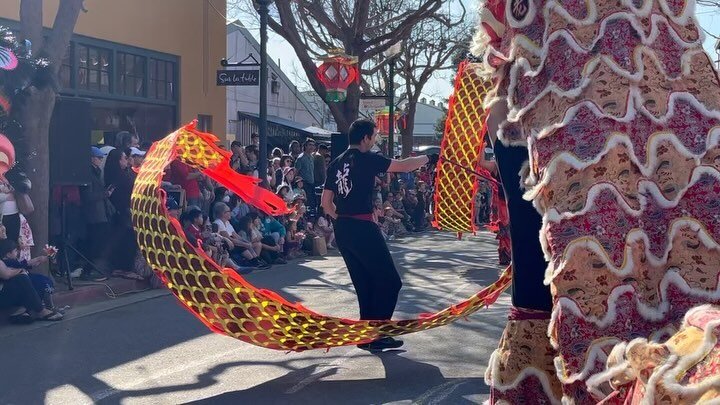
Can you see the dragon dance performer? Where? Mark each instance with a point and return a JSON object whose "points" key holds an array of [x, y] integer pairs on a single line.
{"points": [[348, 197], [612, 111]]}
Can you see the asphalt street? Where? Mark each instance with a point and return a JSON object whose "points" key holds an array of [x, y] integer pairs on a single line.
{"points": [[146, 349]]}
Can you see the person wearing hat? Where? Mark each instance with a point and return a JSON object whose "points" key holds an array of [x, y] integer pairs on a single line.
{"points": [[348, 197], [173, 207], [298, 188], [97, 209], [137, 157]]}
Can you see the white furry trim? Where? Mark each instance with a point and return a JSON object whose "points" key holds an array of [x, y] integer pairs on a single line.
{"points": [[648, 313], [527, 372], [617, 139], [684, 17], [677, 365], [635, 235], [645, 188], [578, 48], [596, 353], [593, 382], [521, 41], [634, 105], [643, 11], [516, 112]]}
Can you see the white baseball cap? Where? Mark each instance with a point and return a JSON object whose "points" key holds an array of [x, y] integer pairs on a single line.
{"points": [[137, 152]]}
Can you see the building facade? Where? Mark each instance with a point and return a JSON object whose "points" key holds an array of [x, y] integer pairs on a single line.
{"points": [[290, 114], [427, 115], [146, 66]]}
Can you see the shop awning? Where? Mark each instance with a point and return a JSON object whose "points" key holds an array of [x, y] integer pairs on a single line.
{"points": [[281, 127]]}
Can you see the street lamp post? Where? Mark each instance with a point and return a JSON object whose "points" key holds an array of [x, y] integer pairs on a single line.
{"points": [[262, 7], [391, 53]]}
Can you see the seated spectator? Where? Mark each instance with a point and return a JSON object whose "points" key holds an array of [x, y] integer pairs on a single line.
{"points": [[324, 226], [221, 196], [294, 241], [17, 290], [241, 250], [289, 175], [396, 226], [298, 188], [43, 285], [285, 193], [399, 207], [239, 207], [272, 228], [271, 251]]}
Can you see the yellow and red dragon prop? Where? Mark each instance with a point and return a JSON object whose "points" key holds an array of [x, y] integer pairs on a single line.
{"points": [[222, 299]]}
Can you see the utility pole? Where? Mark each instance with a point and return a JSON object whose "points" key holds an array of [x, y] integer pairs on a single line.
{"points": [[263, 9]]}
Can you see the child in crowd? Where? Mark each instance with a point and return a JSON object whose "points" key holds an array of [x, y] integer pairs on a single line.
{"points": [[43, 285], [294, 241], [324, 226]]}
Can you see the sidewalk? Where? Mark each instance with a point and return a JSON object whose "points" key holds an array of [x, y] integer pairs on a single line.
{"points": [[87, 293]]}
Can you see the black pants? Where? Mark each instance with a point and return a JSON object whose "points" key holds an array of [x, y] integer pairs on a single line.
{"points": [[98, 249], [311, 197], [12, 226], [19, 292], [371, 267]]}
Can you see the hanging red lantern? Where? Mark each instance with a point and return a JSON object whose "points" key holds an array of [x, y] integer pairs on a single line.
{"points": [[337, 72]]}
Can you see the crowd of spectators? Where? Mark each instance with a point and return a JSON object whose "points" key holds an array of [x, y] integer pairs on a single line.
{"points": [[230, 231]]}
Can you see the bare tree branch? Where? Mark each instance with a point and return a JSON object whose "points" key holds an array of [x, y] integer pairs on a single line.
{"points": [[31, 20], [63, 27]]}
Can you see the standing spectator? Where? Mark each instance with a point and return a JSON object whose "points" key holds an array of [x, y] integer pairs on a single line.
{"points": [[274, 169], [277, 153], [305, 166], [295, 149], [255, 140], [285, 162], [9, 210], [187, 178], [122, 235], [125, 140], [137, 157], [98, 211], [320, 163], [238, 160], [251, 151]]}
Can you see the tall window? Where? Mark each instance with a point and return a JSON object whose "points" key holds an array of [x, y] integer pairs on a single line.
{"points": [[93, 68], [66, 69], [162, 80], [131, 74]]}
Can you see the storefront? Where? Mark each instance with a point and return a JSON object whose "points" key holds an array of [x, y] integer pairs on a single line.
{"points": [[132, 89]]}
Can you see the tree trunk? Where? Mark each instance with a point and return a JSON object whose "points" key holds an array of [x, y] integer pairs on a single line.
{"points": [[406, 134], [35, 115]]}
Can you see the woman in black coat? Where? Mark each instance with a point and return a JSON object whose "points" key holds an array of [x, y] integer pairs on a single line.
{"points": [[122, 238]]}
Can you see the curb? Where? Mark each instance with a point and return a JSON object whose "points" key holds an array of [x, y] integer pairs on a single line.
{"points": [[7, 330]]}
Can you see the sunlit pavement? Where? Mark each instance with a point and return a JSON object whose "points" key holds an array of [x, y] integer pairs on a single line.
{"points": [[147, 349]]}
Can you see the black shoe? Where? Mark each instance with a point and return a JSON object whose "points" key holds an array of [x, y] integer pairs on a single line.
{"points": [[381, 344]]}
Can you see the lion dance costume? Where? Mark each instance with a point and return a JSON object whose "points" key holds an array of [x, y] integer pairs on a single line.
{"points": [[617, 109]]}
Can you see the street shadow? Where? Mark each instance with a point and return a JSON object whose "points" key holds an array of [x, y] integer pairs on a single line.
{"points": [[405, 380]]}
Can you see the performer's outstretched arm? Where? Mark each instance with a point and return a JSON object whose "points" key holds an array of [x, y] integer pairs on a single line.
{"points": [[412, 163]]}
